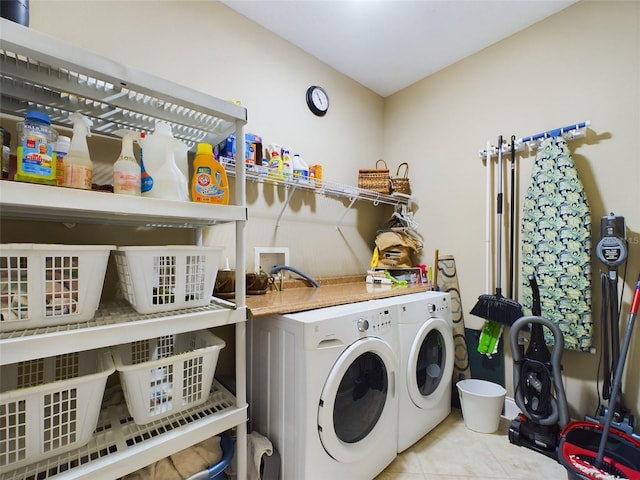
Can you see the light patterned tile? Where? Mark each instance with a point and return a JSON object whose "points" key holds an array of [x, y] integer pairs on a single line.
{"points": [[461, 452], [406, 462], [399, 476], [453, 452]]}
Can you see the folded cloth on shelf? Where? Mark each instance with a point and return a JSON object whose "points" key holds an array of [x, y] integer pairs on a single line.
{"points": [[182, 464], [187, 462], [210, 450], [257, 446]]}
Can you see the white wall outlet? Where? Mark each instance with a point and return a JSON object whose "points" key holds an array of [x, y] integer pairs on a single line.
{"points": [[265, 258]]}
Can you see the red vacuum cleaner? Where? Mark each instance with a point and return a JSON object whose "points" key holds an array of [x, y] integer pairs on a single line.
{"points": [[599, 451]]}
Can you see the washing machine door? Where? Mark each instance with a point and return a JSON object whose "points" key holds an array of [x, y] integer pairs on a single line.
{"points": [[430, 363], [358, 405]]}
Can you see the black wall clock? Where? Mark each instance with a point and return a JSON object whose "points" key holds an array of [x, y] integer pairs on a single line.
{"points": [[317, 100]]}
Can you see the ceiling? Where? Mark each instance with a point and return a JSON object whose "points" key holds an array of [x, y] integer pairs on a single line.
{"points": [[386, 45]]}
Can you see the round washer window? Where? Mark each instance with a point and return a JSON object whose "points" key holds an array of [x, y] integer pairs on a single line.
{"points": [[430, 365], [361, 398]]}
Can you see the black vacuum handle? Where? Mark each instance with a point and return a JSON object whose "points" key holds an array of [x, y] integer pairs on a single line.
{"points": [[536, 308]]}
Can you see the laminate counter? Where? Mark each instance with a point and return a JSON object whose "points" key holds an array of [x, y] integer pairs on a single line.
{"points": [[298, 299]]}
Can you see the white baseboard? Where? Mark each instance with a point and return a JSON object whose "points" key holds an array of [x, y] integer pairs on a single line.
{"points": [[511, 410]]}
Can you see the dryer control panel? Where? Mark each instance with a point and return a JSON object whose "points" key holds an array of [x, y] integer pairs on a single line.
{"points": [[438, 307], [379, 321]]}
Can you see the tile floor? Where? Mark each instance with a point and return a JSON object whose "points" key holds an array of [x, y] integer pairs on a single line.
{"points": [[453, 452]]}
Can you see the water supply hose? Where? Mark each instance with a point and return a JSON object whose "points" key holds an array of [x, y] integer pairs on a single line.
{"points": [[278, 268]]}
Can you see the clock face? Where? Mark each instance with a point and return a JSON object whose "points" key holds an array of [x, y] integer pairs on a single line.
{"points": [[317, 100]]}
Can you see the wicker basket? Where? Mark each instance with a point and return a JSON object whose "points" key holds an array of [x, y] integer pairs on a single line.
{"points": [[401, 184], [377, 179]]}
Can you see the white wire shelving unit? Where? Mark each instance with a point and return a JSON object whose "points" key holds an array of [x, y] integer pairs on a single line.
{"points": [[43, 73], [261, 174]]}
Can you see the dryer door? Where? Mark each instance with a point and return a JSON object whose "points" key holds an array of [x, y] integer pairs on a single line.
{"points": [[430, 363], [358, 406]]}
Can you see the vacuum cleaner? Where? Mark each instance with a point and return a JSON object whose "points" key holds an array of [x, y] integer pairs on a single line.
{"points": [[537, 380], [612, 251]]}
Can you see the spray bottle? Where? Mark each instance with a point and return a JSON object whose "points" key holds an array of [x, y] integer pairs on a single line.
{"points": [[78, 168], [126, 171]]}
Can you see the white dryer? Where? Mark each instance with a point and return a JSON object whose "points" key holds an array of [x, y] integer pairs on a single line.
{"points": [[323, 388], [426, 355]]}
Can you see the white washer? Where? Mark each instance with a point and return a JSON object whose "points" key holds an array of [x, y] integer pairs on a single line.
{"points": [[426, 355], [323, 389]]}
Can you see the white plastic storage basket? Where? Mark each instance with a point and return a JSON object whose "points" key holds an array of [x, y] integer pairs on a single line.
{"points": [[49, 284], [161, 279], [49, 406], [165, 375]]}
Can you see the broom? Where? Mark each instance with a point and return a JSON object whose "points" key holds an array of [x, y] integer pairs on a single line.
{"points": [[497, 308]]}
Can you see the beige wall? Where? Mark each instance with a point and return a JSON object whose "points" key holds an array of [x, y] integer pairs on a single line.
{"points": [[207, 46], [581, 64]]}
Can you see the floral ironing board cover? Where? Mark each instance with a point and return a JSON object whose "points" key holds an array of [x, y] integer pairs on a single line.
{"points": [[556, 244]]}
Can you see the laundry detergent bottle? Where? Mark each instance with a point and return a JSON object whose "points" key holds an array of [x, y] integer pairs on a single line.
{"points": [[78, 167], [126, 171], [209, 183]]}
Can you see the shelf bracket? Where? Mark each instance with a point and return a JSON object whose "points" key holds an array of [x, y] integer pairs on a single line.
{"points": [[291, 189], [352, 201]]}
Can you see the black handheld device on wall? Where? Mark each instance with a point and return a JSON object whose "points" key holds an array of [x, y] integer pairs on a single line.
{"points": [[612, 247]]}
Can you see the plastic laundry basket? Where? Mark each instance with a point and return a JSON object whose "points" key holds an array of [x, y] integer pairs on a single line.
{"points": [[49, 406], [165, 375], [166, 278], [44, 285], [482, 404]]}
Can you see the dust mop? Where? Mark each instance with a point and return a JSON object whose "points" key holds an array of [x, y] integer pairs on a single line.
{"points": [[497, 308]]}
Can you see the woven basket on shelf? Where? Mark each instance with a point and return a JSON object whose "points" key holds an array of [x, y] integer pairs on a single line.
{"points": [[401, 184], [377, 179]]}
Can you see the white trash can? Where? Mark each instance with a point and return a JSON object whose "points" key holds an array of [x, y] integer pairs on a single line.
{"points": [[481, 403]]}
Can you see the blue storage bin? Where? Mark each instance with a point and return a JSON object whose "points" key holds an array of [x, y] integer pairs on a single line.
{"points": [[216, 472]]}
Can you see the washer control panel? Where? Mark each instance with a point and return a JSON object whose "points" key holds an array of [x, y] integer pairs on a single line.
{"points": [[363, 324], [376, 321]]}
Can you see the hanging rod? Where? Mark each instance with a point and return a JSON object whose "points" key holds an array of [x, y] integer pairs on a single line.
{"points": [[570, 132]]}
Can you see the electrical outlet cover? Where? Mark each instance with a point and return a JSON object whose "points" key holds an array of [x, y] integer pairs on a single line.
{"points": [[267, 257]]}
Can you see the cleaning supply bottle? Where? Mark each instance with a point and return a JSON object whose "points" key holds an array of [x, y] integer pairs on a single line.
{"points": [[78, 167], [36, 157], [275, 162], [209, 183], [126, 171], [61, 149], [169, 183], [300, 169], [161, 177], [287, 165]]}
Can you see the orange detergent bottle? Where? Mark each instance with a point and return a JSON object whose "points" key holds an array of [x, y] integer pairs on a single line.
{"points": [[209, 183]]}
